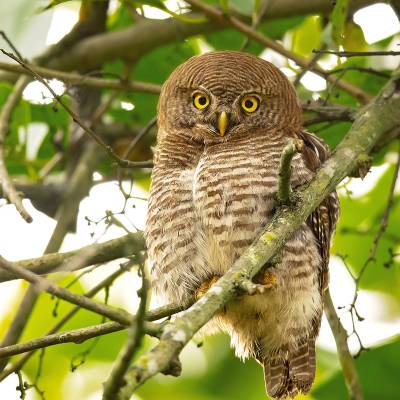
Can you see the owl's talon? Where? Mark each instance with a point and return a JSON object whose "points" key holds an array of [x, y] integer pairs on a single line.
{"points": [[205, 286], [265, 282], [252, 288], [268, 280]]}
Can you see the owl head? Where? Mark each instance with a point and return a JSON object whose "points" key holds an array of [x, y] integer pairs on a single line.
{"points": [[220, 96]]}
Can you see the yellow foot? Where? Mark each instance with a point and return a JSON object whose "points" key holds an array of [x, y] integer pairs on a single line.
{"points": [[205, 286], [268, 280]]}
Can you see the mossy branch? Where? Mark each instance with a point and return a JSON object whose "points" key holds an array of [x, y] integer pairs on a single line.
{"points": [[285, 170]]}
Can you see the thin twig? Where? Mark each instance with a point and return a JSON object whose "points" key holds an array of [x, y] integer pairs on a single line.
{"points": [[101, 285], [328, 113], [285, 170], [75, 79], [139, 136], [225, 19], [109, 150], [11, 44], [78, 185], [7, 109], [21, 386], [12, 101], [51, 339], [256, 19], [310, 65], [371, 258], [74, 336], [371, 71], [346, 360], [385, 217], [78, 136], [121, 365], [357, 53]]}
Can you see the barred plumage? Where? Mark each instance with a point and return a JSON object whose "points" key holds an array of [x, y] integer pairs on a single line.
{"points": [[212, 194]]}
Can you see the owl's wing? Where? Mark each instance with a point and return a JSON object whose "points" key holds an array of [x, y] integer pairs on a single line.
{"points": [[323, 220]]}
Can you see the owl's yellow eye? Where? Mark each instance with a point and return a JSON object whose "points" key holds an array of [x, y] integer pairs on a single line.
{"points": [[250, 104], [201, 101]]}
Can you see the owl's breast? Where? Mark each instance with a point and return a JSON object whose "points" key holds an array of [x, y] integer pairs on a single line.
{"points": [[233, 196]]}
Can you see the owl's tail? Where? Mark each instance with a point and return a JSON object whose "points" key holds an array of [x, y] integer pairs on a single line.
{"points": [[286, 376]]}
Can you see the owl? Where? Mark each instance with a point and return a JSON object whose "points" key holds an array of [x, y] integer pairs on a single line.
{"points": [[224, 119]]}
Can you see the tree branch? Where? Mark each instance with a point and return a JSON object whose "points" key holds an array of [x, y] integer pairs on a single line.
{"points": [[21, 362], [87, 129], [77, 188], [234, 22], [133, 42], [158, 313], [349, 54], [124, 246], [74, 336], [42, 284], [346, 360], [285, 170], [324, 112], [84, 80], [372, 122], [135, 333], [5, 116]]}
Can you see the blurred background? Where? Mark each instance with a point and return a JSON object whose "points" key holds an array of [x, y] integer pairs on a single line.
{"points": [[116, 200]]}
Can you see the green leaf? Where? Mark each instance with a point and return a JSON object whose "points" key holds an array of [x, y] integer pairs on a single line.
{"points": [[306, 36], [338, 18], [231, 39], [245, 7], [353, 38], [378, 372], [50, 5], [356, 232]]}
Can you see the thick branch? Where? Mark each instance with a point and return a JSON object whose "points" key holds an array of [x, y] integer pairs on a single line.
{"points": [[97, 253], [372, 122]]}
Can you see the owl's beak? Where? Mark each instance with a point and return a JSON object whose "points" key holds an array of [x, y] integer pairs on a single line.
{"points": [[223, 122]]}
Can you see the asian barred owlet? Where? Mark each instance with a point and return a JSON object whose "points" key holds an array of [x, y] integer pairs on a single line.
{"points": [[224, 119]]}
